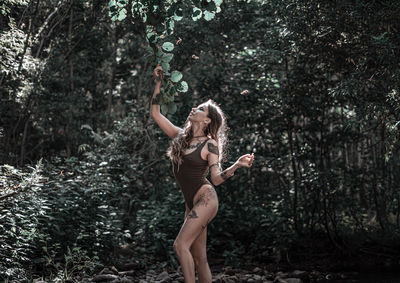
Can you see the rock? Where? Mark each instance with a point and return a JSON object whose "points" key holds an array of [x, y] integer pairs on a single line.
{"points": [[39, 280], [218, 278], [250, 280], [230, 279], [127, 279], [303, 275], [104, 277], [287, 280], [114, 270], [329, 277], [106, 270], [258, 271], [293, 280], [257, 278], [229, 271], [127, 273], [348, 275], [163, 277], [129, 266], [270, 276], [175, 275], [281, 274], [245, 277]]}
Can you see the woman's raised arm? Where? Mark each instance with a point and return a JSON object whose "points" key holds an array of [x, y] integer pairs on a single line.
{"points": [[218, 176], [166, 126]]}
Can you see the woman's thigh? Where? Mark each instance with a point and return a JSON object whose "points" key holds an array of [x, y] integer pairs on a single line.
{"points": [[204, 210], [199, 247]]}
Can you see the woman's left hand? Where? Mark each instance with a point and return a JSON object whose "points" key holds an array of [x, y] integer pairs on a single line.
{"points": [[245, 160]]}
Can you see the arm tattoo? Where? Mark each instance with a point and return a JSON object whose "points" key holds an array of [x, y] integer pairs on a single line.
{"points": [[215, 164], [155, 101], [224, 176], [213, 149]]}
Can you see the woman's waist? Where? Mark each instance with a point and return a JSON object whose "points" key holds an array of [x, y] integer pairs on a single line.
{"points": [[185, 180]]}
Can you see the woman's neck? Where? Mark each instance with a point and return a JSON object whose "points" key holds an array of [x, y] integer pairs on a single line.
{"points": [[197, 131]]}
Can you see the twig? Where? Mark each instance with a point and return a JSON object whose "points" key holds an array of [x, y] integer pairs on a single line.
{"points": [[7, 195]]}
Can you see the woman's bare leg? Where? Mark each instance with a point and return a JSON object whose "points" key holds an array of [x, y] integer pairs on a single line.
{"points": [[205, 209], [199, 253]]}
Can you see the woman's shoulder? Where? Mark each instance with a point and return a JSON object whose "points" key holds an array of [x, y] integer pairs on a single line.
{"points": [[212, 146], [211, 141]]}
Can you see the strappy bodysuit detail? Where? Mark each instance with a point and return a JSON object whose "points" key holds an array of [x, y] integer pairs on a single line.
{"points": [[191, 174]]}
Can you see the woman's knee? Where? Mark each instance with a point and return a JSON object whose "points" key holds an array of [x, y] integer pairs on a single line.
{"points": [[199, 260], [180, 247]]}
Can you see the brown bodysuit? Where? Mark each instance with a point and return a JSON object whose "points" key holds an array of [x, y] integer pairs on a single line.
{"points": [[192, 174]]}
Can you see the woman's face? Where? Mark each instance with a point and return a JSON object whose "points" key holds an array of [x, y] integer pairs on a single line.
{"points": [[199, 113]]}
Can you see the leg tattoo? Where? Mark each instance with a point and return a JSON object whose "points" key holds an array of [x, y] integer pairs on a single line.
{"points": [[192, 214], [205, 197]]}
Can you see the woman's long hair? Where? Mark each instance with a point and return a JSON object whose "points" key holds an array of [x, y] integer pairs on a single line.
{"points": [[216, 129]]}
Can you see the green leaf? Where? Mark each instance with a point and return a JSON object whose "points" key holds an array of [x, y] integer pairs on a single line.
{"points": [[165, 66], [179, 12], [197, 13], [167, 57], [171, 25], [111, 3], [164, 108], [121, 15], [168, 46], [170, 98], [176, 76], [208, 16], [177, 18], [172, 108], [121, 3], [183, 86]]}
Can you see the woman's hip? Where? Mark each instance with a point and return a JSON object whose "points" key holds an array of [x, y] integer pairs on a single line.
{"points": [[206, 196]]}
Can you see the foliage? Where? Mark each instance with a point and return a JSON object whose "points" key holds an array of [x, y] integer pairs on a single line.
{"points": [[159, 19], [20, 208], [310, 87]]}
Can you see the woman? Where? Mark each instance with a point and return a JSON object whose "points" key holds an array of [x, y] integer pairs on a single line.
{"points": [[194, 150]]}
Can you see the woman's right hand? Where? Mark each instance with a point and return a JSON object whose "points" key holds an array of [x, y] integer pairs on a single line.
{"points": [[158, 73]]}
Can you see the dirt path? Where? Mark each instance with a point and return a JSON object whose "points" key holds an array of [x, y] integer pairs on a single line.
{"points": [[227, 275]]}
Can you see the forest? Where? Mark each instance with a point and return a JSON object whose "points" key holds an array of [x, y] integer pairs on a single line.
{"points": [[312, 88]]}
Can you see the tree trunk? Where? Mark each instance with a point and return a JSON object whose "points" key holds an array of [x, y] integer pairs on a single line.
{"points": [[111, 84], [71, 86], [24, 136], [294, 169]]}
